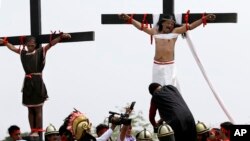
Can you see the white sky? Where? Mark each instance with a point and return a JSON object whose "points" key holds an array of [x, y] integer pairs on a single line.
{"points": [[115, 69]]}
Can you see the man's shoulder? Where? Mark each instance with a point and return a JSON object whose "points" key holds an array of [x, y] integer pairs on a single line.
{"points": [[39, 48], [169, 87]]}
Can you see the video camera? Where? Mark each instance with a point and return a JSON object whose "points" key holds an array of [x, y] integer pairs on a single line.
{"points": [[123, 118]]}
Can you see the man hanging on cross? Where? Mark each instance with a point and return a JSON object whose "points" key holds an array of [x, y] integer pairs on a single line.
{"points": [[34, 90], [165, 35]]}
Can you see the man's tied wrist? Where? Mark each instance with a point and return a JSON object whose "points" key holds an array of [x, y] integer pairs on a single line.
{"points": [[61, 37], [5, 41]]}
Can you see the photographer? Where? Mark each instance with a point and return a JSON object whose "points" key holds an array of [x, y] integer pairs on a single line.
{"points": [[104, 132], [125, 134], [100, 129]]}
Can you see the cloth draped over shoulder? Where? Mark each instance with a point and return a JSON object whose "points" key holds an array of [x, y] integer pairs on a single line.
{"points": [[166, 36]]}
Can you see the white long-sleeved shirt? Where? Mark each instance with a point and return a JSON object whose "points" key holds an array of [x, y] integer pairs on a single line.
{"points": [[105, 136]]}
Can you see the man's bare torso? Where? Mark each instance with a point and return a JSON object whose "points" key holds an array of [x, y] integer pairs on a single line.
{"points": [[164, 49]]}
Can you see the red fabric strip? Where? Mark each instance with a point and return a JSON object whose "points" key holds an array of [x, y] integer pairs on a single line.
{"points": [[186, 19]]}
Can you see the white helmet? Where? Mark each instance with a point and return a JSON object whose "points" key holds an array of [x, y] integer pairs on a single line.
{"points": [[165, 133], [164, 130], [51, 130], [144, 135], [201, 128]]}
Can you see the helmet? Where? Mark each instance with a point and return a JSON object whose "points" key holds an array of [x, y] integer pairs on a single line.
{"points": [[144, 135], [165, 133], [78, 124], [51, 130], [164, 130], [201, 128]]}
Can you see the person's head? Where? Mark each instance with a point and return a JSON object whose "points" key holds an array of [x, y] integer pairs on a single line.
{"points": [[166, 23], [129, 131], [165, 133], [65, 134], [214, 134], [14, 132], [78, 125], [31, 44], [51, 134], [202, 131], [225, 128], [100, 129], [153, 87], [144, 135]]}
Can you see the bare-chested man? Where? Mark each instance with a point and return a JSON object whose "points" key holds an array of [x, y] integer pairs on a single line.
{"points": [[165, 36]]}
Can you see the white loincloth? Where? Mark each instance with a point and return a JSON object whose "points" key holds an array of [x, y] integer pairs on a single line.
{"points": [[164, 73]]}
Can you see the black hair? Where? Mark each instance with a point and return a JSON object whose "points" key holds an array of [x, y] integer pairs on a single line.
{"points": [[13, 128], [64, 131], [29, 39], [33, 38], [87, 137], [226, 125], [204, 136], [100, 127], [152, 87]]}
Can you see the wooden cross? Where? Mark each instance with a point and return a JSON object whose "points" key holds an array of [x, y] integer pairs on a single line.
{"points": [[168, 8], [35, 22]]}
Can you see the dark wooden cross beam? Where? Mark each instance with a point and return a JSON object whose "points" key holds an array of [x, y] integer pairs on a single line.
{"points": [[35, 22], [168, 8]]}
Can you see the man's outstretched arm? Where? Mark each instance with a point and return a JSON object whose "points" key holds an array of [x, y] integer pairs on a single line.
{"points": [[137, 24], [193, 25], [57, 40], [9, 46]]}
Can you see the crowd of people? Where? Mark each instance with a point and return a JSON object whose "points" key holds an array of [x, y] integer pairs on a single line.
{"points": [[176, 122], [103, 132]]}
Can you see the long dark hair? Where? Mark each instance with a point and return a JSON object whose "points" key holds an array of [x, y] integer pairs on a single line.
{"points": [[169, 17]]}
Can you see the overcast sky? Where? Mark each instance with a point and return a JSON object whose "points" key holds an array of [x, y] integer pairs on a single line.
{"points": [[115, 69]]}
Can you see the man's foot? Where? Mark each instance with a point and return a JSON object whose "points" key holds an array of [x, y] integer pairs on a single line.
{"points": [[34, 134]]}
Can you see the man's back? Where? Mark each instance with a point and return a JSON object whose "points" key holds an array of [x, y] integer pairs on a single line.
{"points": [[175, 112], [170, 103]]}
